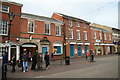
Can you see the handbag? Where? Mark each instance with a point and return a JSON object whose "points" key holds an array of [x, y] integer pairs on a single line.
{"points": [[19, 65]]}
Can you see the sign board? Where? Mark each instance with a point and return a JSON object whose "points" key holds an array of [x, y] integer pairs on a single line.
{"points": [[98, 40]]}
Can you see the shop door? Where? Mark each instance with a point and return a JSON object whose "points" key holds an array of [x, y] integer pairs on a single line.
{"points": [[85, 48], [44, 50], [71, 50], [79, 50]]}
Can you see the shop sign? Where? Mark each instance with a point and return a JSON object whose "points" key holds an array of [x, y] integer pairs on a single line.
{"points": [[98, 40], [75, 51]]}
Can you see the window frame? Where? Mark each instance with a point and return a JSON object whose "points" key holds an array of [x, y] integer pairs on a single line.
{"points": [[32, 28], [5, 29], [85, 36], [95, 35], [4, 8], [70, 23], [48, 28], [77, 24], [77, 34], [71, 34], [84, 26], [58, 31]]}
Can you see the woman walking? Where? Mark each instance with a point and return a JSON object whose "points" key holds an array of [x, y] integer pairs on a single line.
{"points": [[47, 60]]}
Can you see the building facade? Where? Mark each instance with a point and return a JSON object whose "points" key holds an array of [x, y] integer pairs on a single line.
{"points": [[6, 8], [41, 33], [101, 40], [116, 39], [76, 35]]}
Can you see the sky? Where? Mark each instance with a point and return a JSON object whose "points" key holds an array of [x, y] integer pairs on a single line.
{"points": [[104, 12]]}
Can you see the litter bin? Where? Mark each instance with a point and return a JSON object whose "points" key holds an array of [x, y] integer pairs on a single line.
{"points": [[67, 60]]}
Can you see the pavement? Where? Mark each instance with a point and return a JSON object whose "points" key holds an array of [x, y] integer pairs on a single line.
{"points": [[58, 70]]}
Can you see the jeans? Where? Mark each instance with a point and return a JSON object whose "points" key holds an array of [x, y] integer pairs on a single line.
{"points": [[25, 64]]}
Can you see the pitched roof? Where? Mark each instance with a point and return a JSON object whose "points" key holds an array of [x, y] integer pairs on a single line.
{"points": [[42, 18], [73, 18]]}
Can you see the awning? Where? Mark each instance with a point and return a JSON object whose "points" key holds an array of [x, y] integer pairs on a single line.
{"points": [[72, 42], [80, 43], [28, 45], [86, 43], [102, 44], [96, 44]]}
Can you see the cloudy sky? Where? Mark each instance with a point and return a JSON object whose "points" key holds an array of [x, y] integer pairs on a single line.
{"points": [[104, 12]]}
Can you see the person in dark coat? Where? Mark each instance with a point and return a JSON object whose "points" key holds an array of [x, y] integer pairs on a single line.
{"points": [[13, 63], [4, 64], [25, 63], [34, 61], [47, 60], [92, 55]]}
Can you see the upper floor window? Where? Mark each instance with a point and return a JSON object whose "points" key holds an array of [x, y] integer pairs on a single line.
{"points": [[84, 26], [70, 23], [77, 24], [109, 37], [47, 28], [5, 8], [105, 36], [100, 35], [78, 34], [58, 30], [94, 35], [3, 27], [85, 35], [70, 34], [31, 27]]}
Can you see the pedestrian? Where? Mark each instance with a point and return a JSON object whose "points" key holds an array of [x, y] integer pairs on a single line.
{"points": [[88, 54], [25, 63], [38, 60], [30, 57], [34, 61], [13, 61], [4, 65], [92, 55], [47, 60]]}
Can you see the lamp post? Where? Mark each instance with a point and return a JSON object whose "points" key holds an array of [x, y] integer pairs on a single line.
{"points": [[11, 18], [4, 66]]}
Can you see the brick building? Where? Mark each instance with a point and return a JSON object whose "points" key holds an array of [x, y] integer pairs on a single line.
{"points": [[41, 33], [116, 39], [76, 35], [101, 39], [6, 8]]}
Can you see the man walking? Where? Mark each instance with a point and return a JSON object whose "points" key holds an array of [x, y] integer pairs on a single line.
{"points": [[25, 63]]}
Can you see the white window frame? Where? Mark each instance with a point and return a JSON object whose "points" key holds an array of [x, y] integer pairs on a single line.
{"points": [[2, 28], [32, 27], [70, 23], [110, 37], [77, 24], [4, 8], [48, 28], [100, 35], [71, 33], [105, 36], [85, 35], [78, 34], [58, 30], [94, 34]]}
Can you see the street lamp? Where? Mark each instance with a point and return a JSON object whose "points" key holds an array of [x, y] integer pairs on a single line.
{"points": [[4, 66], [11, 18]]}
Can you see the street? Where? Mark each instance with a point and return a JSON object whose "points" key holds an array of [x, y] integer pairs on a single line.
{"points": [[106, 66]]}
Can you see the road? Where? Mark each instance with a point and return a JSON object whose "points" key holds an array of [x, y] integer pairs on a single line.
{"points": [[106, 66]]}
